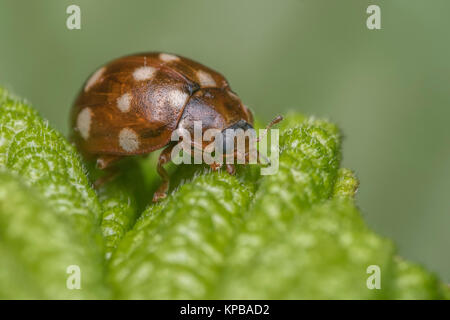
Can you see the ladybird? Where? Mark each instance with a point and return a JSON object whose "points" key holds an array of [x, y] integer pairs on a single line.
{"points": [[131, 106]]}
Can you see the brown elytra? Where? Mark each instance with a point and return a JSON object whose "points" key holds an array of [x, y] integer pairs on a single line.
{"points": [[132, 105]]}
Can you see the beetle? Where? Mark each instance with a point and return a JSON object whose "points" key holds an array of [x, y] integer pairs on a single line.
{"points": [[131, 106]]}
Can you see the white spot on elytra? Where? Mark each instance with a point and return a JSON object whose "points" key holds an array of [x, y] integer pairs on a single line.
{"points": [[205, 79], [95, 78], [143, 73], [84, 122], [177, 97], [168, 57], [128, 140], [124, 102]]}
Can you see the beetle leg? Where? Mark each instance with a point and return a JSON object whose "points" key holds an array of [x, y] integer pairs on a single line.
{"points": [[231, 169], [105, 162], [258, 158], [215, 166], [111, 174], [164, 157]]}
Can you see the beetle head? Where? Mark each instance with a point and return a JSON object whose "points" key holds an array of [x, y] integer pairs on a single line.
{"points": [[246, 133], [231, 134], [215, 108]]}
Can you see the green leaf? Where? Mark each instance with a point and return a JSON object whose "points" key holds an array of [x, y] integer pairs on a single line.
{"points": [[325, 253], [38, 245], [413, 282], [123, 199], [178, 246], [346, 184], [38, 153], [47, 162], [295, 234]]}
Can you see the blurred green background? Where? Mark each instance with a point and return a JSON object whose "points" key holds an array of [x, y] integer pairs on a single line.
{"points": [[387, 89]]}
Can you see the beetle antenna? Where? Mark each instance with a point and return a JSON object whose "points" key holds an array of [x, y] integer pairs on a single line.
{"points": [[276, 120]]}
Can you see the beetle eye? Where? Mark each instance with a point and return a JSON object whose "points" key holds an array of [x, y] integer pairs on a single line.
{"points": [[229, 135], [241, 124]]}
